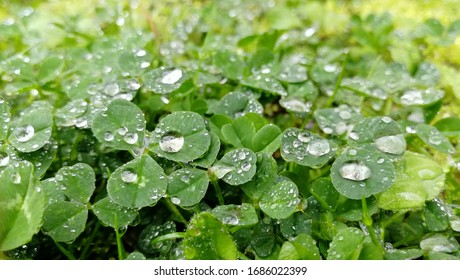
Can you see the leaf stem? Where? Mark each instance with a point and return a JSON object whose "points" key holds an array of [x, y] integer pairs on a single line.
{"points": [[120, 248], [66, 252], [367, 220], [337, 84], [89, 241], [176, 213], [220, 198]]}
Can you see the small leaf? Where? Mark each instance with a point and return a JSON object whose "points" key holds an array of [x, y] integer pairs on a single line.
{"points": [[303, 247], [434, 138], [420, 97], [306, 148], [50, 69], [336, 121], [232, 65], [435, 216], [64, 221], [267, 139], [365, 87], [21, 205], [187, 186], [293, 73], [108, 212], [346, 245], [41, 158], [403, 254], [121, 127], [265, 176], [362, 171], [163, 80], [138, 183], [236, 104], [236, 167], [53, 191], [325, 193], [440, 243], [239, 133], [208, 159], [208, 239], [265, 83], [78, 182], [236, 215], [152, 231], [280, 199], [67, 116], [181, 136], [352, 210], [32, 130]]}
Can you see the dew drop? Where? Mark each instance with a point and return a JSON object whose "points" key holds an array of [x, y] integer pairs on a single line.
{"points": [[353, 152], [122, 131], [15, 178], [392, 144], [304, 137], [355, 171], [131, 138], [435, 137], [230, 220], [185, 179], [128, 176], [246, 166], [175, 200], [386, 119], [171, 142], [112, 89], [318, 147], [354, 136], [108, 136], [24, 133], [172, 77], [241, 155], [4, 159]]}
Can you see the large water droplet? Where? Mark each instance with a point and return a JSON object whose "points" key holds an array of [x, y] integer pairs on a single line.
{"points": [[128, 176], [355, 171], [392, 144], [318, 147], [112, 89], [108, 136], [241, 155], [24, 133], [304, 137], [435, 137], [231, 219], [220, 170], [15, 178], [131, 138], [246, 166], [172, 77], [4, 159], [171, 142], [175, 200]]}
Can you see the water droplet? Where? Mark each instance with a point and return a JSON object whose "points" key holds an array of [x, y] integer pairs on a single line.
{"points": [[128, 176], [175, 200], [304, 137], [380, 160], [392, 144], [4, 159], [172, 77], [15, 178], [435, 137], [246, 166], [112, 89], [318, 147], [355, 171], [171, 142], [230, 220], [353, 152], [220, 171], [131, 138], [24, 133], [108, 136], [122, 131], [345, 115], [386, 119], [185, 179], [241, 155], [141, 53], [353, 136]]}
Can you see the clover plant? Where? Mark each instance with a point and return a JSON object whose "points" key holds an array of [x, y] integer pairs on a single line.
{"points": [[227, 130]]}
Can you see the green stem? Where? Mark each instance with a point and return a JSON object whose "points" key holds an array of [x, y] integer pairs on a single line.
{"points": [[89, 241], [388, 106], [169, 236], [337, 84], [367, 220], [176, 213], [120, 248], [220, 198], [66, 252]]}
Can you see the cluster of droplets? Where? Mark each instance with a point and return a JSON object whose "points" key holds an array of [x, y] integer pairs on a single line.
{"points": [[305, 144], [413, 97]]}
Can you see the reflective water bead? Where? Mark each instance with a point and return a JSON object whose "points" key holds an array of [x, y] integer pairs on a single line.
{"points": [[131, 138], [172, 77], [392, 144], [171, 142], [24, 133], [246, 166], [318, 147], [4, 159], [112, 89], [175, 200], [128, 176], [355, 171], [108, 136]]}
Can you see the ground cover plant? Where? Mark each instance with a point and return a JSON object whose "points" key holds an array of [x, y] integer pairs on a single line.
{"points": [[229, 130]]}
